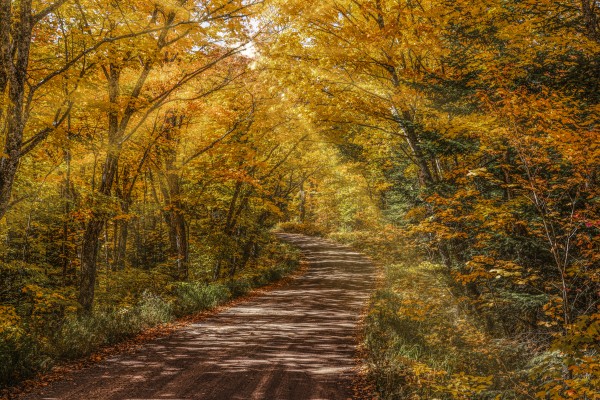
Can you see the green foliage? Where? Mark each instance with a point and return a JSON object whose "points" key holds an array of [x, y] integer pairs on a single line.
{"points": [[191, 297], [422, 339], [19, 353], [81, 335], [125, 287]]}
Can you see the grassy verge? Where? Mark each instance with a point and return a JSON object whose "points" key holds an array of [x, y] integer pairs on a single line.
{"points": [[25, 349], [421, 343], [424, 340]]}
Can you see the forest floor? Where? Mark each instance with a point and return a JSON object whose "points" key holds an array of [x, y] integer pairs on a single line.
{"points": [[298, 341]]}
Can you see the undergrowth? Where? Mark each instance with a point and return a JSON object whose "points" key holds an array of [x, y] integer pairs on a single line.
{"points": [[27, 346], [422, 344], [422, 340]]}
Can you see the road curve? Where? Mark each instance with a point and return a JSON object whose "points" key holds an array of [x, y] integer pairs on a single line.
{"points": [[295, 342]]}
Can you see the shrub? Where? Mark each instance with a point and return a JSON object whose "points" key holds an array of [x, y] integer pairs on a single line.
{"points": [[81, 335], [78, 336], [153, 310], [191, 297], [19, 351], [239, 287]]}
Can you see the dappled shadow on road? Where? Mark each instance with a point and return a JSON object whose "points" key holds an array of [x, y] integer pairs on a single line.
{"points": [[297, 342]]}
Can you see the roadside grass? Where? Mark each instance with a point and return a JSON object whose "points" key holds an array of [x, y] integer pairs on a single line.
{"points": [[33, 345], [422, 337], [422, 344]]}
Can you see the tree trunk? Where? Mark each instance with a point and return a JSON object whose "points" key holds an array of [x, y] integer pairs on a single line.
{"points": [[246, 255], [302, 205], [91, 238], [65, 254], [591, 21], [89, 254], [13, 73], [171, 190], [93, 228], [407, 124], [182, 245], [217, 270], [121, 250], [118, 121], [122, 225], [175, 219]]}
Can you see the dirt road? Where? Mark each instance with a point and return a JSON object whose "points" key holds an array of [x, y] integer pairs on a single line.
{"points": [[296, 342]]}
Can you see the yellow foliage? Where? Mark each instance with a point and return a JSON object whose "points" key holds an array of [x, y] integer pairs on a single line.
{"points": [[9, 321]]}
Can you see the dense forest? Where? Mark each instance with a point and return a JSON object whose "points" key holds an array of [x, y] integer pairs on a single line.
{"points": [[150, 149]]}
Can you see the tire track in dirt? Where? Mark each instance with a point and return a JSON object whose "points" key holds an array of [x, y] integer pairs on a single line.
{"points": [[295, 342]]}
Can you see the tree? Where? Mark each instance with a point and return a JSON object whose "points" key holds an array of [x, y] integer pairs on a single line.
{"points": [[18, 24], [166, 36]]}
